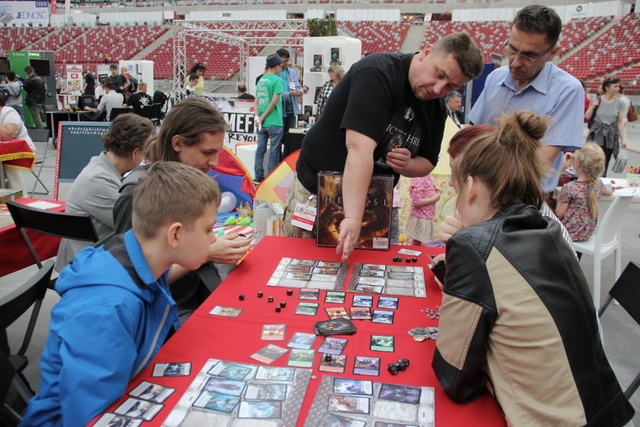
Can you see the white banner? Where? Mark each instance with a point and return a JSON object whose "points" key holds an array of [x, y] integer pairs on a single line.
{"points": [[577, 11], [24, 13]]}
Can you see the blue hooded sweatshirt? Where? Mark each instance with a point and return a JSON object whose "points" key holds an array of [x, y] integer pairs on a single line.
{"points": [[103, 331]]}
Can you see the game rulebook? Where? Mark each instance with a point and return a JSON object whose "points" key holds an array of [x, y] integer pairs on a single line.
{"points": [[375, 232]]}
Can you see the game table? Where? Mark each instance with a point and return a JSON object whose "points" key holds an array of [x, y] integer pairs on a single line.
{"points": [[15, 153], [205, 336], [14, 254]]}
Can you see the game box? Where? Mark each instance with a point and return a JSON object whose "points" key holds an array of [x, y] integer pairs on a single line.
{"points": [[375, 232]]}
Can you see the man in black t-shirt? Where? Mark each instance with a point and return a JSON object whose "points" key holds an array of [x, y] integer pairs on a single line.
{"points": [[89, 83], [140, 99], [117, 80], [385, 117]]}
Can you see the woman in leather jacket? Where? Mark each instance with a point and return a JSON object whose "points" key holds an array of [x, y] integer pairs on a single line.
{"points": [[517, 318]]}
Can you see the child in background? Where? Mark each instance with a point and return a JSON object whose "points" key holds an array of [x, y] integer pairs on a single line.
{"points": [[578, 200], [423, 209], [115, 309]]}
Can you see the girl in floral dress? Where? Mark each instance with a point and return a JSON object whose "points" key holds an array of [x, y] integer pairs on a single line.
{"points": [[577, 205], [423, 209]]}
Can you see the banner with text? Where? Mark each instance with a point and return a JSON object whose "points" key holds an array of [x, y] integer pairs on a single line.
{"points": [[24, 13]]}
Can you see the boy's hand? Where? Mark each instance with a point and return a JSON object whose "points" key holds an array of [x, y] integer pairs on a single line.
{"points": [[228, 249]]}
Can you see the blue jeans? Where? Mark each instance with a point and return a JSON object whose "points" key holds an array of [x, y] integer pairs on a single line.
{"points": [[273, 134]]}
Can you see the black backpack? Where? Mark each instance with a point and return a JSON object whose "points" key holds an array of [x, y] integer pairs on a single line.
{"points": [[159, 97]]}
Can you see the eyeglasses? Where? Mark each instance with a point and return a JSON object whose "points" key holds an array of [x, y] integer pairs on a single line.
{"points": [[530, 58]]}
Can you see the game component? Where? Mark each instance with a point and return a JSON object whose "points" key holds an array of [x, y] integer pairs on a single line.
{"points": [[241, 297], [303, 274], [278, 309], [327, 357], [260, 294], [414, 259], [421, 334], [405, 280], [400, 365], [433, 314], [408, 260], [283, 304], [393, 369], [289, 292], [270, 299]]}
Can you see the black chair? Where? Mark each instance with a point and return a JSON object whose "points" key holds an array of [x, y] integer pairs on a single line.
{"points": [[15, 393], [70, 226], [626, 291], [152, 112], [14, 305], [115, 112]]}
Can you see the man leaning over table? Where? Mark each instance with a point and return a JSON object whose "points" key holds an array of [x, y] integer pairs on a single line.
{"points": [[385, 116], [12, 127], [109, 101]]}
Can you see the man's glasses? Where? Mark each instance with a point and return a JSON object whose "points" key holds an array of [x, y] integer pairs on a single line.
{"points": [[530, 58]]}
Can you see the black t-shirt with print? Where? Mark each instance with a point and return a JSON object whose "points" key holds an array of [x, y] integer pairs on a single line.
{"points": [[375, 99]]}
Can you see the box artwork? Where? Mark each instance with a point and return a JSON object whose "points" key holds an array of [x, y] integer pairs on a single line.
{"points": [[375, 232]]}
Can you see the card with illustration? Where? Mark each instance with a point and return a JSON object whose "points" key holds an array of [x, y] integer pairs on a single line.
{"points": [[273, 332], [266, 392], [365, 365], [301, 358], [362, 301], [351, 386], [335, 297], [224, 386], [360, 313], [260, 410], [137, 408], [388, 302], [275, 373], [409, 252], [382, 343], [307, 308], [404, 280], [368, 288], [309, 294], [400, 393], [353, 404], [230, 371], [216, 402], [226, 311], [332, 345], [302, 340], [382, 316], [269, 353], [335, 420], [337, 364], [309, 274], [112, 420], [179, 369], [337, 313], [154, 392]]}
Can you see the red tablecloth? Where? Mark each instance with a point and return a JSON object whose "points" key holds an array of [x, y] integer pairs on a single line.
{"points": [[14, 254], [16, 152], [206, 336]]}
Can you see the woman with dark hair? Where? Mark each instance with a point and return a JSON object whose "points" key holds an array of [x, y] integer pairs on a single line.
{"points": [[517, 319], [198, 69], [609, 113], [96, 188]]}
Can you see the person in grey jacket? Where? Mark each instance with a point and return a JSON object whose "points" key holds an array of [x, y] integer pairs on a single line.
{"points": [[96, 189]]}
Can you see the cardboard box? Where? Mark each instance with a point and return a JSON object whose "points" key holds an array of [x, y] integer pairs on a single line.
{"points": [[9, 194], [375, 232]]}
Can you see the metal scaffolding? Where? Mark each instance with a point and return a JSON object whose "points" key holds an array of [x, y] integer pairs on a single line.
{"points": [[225, 32]]}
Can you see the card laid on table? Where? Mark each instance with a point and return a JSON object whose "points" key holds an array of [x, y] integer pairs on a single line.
{"points": [[176, 369], [269, 353], [273, 332]]}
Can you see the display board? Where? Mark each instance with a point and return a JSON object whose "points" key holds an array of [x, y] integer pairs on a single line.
{"points": [[77, 142]]}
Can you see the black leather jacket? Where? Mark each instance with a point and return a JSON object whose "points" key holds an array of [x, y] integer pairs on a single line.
{"points": [[36, 92], [517, 319]]}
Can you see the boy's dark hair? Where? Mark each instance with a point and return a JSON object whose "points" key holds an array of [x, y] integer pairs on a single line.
{"points": [[113, 66], [11, 76], [110, 86], [171, 192], [193, 77], [28, 69], [284, 53]]}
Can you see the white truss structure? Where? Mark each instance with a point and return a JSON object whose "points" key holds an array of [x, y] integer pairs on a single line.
{"points": [[227, 32]]}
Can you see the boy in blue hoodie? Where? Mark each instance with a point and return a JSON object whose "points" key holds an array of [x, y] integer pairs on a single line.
{"points": [[116, 309]]}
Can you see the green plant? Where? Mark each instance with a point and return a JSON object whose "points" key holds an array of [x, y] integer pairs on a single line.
{"points": [[322, 27]]}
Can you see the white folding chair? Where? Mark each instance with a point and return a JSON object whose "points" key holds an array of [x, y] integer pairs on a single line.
{"points": [[607, 240]]}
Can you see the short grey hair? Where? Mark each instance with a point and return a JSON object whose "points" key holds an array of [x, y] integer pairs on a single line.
{"points": [[452, 94]]}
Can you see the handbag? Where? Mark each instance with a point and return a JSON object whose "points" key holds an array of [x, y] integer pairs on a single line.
{"points": [[621, 161], [632, 116]]}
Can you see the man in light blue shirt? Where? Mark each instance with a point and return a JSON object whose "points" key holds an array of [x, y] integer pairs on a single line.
{"points": [[531, 82], [292, 90]]}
